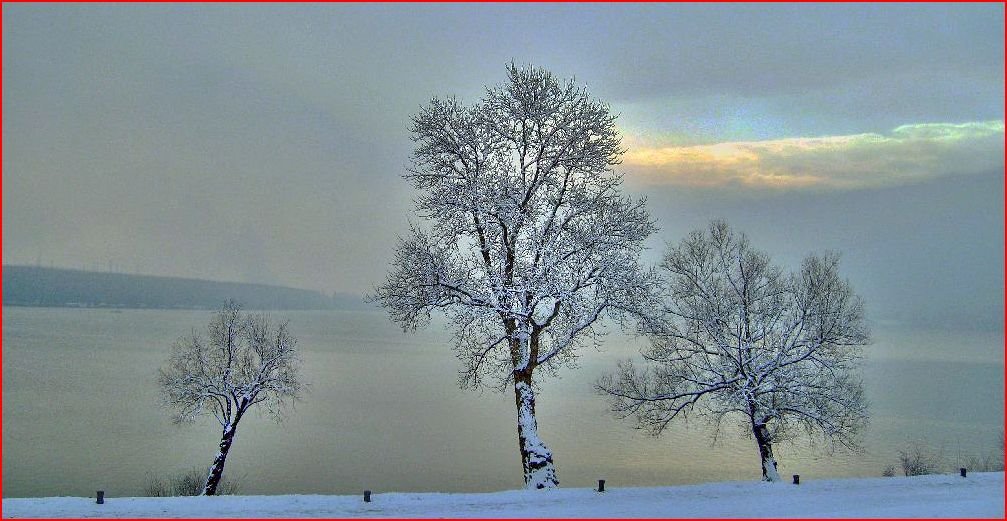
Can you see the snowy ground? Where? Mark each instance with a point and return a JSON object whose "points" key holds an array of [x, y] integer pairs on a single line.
{"points": [[979, 495]]}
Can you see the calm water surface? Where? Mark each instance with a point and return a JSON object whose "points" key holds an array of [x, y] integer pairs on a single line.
{"points": [[383, 412]]}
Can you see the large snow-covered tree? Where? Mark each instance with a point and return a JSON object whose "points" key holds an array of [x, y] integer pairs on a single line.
{"points": [[733, 336], [528, 241], [243, 361]]}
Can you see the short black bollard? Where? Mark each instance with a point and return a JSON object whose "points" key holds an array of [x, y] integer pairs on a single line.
{"points": [[797, 479], [601, 485], [367, 496], [101, 497], [962, 470]]}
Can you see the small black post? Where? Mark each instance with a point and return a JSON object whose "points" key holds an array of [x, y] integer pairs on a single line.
{"points": [[601, 485], [101, 497], [367, 496], [797, 479], [962, 470]]}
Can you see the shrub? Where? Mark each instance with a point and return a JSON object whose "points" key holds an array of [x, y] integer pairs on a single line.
{"points": [[917, 459], [988, 463], [186, 483]]}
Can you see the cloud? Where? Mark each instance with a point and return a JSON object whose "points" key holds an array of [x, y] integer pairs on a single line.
{"points": [[907, 154]]}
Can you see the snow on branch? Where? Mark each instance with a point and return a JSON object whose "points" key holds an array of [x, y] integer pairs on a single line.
{"points": [[526, 241], [242, 360], [734, 334]]}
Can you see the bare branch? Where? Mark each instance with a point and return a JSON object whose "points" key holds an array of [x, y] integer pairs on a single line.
{"points": [[737, 332], [528, 243], [246, 361]]}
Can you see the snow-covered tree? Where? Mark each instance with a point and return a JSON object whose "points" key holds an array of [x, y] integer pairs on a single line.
{"points": [[734, 337], [243, 361], [529, 240]]}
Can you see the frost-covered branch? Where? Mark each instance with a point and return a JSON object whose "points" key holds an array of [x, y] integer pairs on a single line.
{"points": [[527, 243], [734, 333], [244, 361]]}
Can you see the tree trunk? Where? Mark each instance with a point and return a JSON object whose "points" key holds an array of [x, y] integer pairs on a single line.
{"points": [[762, 437], [536, 458], [217, 469]]}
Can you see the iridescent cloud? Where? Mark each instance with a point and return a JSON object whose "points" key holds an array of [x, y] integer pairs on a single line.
{"points": [[907, 154]]}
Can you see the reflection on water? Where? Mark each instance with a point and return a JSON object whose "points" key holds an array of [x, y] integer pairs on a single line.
{"points": [[383, 412]]}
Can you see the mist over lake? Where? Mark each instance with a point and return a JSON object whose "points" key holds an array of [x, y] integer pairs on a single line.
{"points": [[384, 412]]}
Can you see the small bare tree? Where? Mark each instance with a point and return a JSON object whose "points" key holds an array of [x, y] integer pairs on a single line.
{"points": [[530, 241], [242, 361], [733, 335], [918, 459]]}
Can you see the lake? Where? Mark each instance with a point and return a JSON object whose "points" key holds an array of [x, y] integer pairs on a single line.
{"points": [[384, 412]]}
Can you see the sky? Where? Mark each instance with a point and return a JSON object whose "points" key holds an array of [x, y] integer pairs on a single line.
{"points": [[266, 142]]}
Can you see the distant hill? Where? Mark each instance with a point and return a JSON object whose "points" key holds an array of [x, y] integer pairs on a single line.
{"points": [[52, 287]]}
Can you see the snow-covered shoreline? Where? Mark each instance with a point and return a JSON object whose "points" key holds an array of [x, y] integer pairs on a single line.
{"points": [[978, 495]]}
